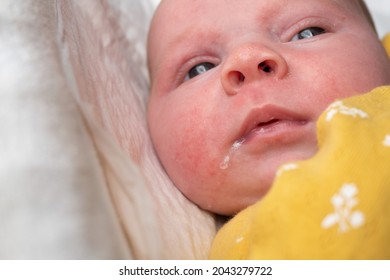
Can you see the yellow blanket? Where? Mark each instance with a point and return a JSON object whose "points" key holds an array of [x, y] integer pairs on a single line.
{"points": [[335, 205]]}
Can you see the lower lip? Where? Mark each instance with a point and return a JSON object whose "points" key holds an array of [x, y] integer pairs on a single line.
{"points": [[280, 131]]}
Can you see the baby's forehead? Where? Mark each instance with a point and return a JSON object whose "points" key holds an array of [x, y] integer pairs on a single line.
{"points": [[171, 15], [173, 8]]}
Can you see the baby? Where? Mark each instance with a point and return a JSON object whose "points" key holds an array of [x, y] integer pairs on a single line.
{"points": [[237, 88]]}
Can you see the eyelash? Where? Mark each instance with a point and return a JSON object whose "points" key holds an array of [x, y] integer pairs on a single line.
{"points": [[190, 65], [304, 24], [320, 31], [206, 67]]}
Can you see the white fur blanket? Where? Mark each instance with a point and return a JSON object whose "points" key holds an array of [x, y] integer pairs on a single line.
{"points": [[78, 176]]}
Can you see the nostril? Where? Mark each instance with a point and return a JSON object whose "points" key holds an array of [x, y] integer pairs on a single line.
{"points": [[236, 77], [241, 77], [265, 67]]}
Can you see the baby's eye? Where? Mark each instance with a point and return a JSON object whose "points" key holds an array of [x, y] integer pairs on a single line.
{"points": [[199, 69], [308, 33]]}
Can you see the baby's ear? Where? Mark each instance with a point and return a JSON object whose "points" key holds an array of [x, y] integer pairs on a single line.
{"points": [[386, 43]]}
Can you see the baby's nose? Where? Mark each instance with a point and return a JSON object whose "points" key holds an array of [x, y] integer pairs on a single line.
{"points": [[251, 62]]}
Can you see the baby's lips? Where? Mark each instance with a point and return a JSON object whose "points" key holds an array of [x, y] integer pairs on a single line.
{"points": [[267, 117]]}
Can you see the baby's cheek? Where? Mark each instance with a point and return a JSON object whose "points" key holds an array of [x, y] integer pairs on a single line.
{"points": [[191, 150], [196, 150]]}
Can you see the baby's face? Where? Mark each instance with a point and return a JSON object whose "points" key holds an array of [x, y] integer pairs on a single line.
{"points": [[238, 85]]}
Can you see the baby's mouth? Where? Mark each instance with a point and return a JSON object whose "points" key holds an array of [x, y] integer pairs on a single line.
{"points": [[273, 124], [270, 122], [267, 125]]}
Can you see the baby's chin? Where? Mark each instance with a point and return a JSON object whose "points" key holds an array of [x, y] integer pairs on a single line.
{"points": [[262, 185], [245, 181]]}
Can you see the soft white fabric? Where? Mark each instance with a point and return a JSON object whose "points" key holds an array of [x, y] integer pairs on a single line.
{"points": [[104, 53], [78, 176], [53, 200]]}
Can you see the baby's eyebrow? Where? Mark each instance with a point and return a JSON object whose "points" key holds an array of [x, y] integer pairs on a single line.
{"points": [[187, 44], [194, 36]]}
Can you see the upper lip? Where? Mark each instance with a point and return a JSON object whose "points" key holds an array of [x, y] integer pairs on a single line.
{"points": [[267, 115]]}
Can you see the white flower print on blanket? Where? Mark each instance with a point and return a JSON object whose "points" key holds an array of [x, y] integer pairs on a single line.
{"points": [[344, 215], [386, 142], [338, 107]]}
